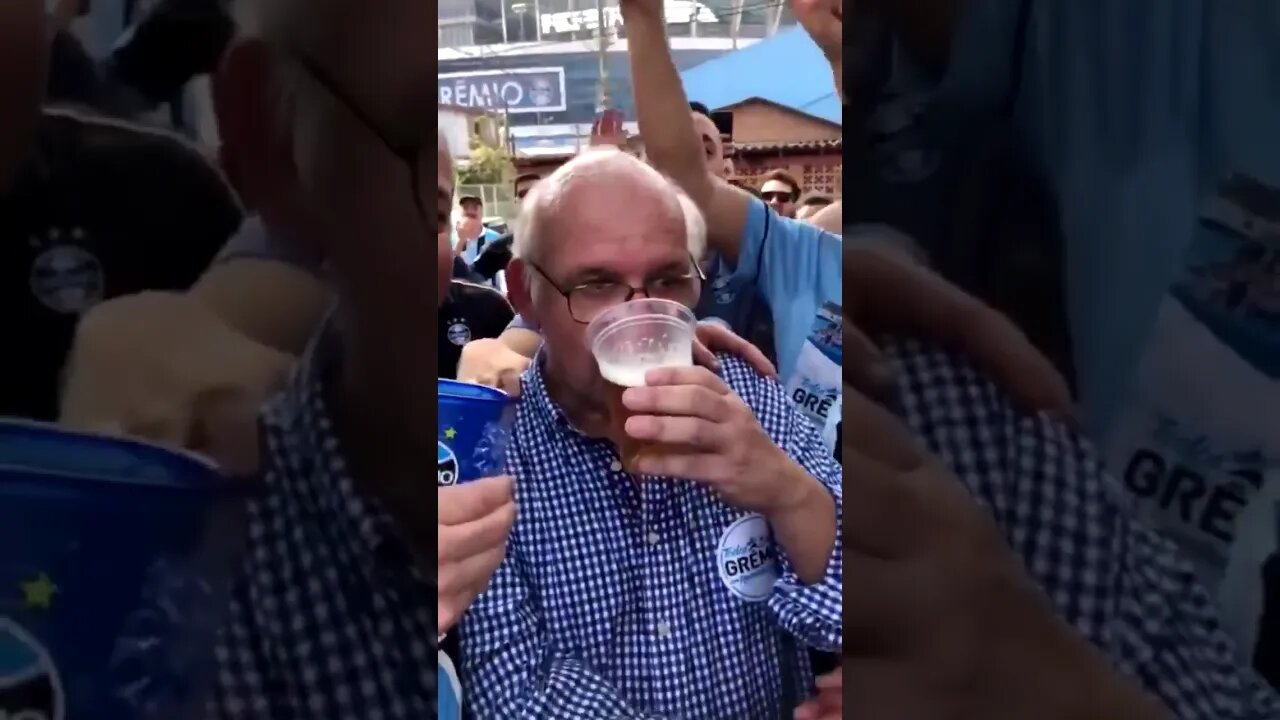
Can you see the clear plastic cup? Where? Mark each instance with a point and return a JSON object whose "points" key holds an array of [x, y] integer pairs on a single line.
{"points": [[628, 341]]}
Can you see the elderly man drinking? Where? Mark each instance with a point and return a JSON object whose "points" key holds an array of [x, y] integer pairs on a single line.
{"points": [[610, 602]]}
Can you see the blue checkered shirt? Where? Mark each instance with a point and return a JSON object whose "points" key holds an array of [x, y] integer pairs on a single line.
{"points": [[609, 604], [1122, 586], [331, 619]]}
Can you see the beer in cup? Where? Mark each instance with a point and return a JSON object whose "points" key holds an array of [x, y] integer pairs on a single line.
{"points": [[628, 341], [473, 426]]}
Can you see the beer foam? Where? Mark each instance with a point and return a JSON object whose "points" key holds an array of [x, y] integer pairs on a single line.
{"points": [[630, 372], [624, 375]]}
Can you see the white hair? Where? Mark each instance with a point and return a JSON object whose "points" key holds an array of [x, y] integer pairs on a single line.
{"points": [[547, 193]]}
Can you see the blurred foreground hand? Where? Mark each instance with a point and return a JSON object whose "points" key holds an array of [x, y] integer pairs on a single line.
{"points": [[474, 523], [162, 367], [945, 622], [885, 292]]}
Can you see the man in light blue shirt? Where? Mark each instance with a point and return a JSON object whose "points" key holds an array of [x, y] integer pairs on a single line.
{"points": [[471, 234], [1137, 112], [796, 266], [1154, 122]]}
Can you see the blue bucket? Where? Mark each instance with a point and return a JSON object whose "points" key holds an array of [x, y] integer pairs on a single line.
{"points": [[472, 433], [116, 560]]}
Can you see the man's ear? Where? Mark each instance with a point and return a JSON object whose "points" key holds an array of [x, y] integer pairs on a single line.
{"points": [[250, 106], [519, 292], [254, 104]]}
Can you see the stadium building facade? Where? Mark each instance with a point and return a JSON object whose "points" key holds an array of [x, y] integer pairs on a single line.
{"points": [[538, 63]]}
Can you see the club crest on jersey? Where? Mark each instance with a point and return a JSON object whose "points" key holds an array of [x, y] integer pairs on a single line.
{"points": [[67, 279], [458, 333]]}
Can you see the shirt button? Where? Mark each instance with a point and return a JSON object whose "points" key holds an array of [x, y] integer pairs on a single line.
{"points": [[653, 538], [664, 630], [616, 465]]}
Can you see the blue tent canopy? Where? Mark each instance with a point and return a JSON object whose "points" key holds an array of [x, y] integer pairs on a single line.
{"points": [[786, 69]]}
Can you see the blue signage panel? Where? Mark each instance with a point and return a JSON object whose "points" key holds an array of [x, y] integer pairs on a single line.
{"points": [[516, 90]]}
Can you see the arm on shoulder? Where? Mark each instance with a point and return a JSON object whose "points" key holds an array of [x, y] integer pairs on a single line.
{"points": [[522, 337], [830, 218], [236, 291]]}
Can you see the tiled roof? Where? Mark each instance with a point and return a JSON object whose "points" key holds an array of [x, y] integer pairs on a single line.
{"points": [[754, 147]]}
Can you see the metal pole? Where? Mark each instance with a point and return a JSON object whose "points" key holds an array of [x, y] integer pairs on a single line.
{"points": [[735, 22], [537, 21], [693, 18], [603, 53], [503, 6]]}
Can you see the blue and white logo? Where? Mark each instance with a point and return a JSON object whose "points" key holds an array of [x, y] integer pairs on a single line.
{"points": [[30, 688], [746, 559], [446, 466], [459, 334], [67, 279]]}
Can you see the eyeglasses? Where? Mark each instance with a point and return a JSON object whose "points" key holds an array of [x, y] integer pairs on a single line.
{"points": [[409, 153], [779, 196], [588, 300]]}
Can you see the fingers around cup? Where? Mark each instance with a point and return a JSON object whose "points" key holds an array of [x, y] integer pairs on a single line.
{"points": [[464, 503]]}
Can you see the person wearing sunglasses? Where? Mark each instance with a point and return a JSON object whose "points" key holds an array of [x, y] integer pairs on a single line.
{"points": [[780, 191]]}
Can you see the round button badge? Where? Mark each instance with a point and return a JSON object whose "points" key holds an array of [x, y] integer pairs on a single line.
{"points": [[746, 559]]}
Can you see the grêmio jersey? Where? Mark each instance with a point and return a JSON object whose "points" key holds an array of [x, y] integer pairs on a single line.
{"points": [[100, 209], [469, 312]]}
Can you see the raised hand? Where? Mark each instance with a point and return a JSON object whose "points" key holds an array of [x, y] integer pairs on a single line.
{"points": [[824, 21], [163, 367]]}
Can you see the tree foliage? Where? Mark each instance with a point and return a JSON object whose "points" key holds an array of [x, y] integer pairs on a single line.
{"points": [[488, 165]]}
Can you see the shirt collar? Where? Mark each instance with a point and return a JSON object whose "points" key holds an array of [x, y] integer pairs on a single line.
{"points": [[315, 469], [536, 396]]}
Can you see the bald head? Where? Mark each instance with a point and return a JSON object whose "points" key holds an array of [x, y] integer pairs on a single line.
{"points": [[598, 192], [24, 60], [601, 228]]}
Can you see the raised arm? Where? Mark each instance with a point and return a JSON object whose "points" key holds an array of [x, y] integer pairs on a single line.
{"points": [[670, 141]]}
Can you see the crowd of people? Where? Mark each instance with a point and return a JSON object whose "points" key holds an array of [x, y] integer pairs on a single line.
{"points": [[268, 302]]}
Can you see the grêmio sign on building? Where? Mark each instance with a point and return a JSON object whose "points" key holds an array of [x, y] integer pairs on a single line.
{"points": [[517, 90]]}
